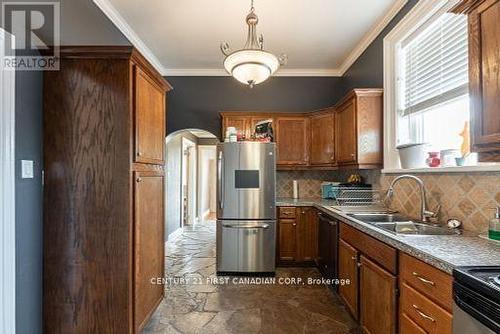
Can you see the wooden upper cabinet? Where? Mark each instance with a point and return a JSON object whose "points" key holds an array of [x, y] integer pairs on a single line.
{"points": [[346, 132], [256, 119], [377, 301], [323, 138], [358, 129], [149, 119], [292, 140], [148, 244], [484, 71], [241, 123]]}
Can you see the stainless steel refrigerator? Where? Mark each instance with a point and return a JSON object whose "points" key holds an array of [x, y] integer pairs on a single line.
{"points": [[246, 207]]}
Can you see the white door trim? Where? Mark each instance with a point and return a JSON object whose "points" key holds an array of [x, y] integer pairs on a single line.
{"points": [[7, 192]]}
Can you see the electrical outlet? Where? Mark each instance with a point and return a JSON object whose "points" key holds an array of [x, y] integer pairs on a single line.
{"points": [[27, 169]]}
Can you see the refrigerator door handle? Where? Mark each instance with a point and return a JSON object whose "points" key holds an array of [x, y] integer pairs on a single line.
{"points": [[245, 226], [220, 181]]}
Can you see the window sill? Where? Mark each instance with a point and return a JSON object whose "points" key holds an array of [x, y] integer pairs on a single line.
{"points": [[458, 169]]}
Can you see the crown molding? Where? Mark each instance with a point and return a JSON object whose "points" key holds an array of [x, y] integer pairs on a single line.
{"points": [[110, 11], [284, 72], [369, 37]]}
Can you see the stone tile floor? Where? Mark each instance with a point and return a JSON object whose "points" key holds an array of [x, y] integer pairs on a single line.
{"points": [[194, 303]]}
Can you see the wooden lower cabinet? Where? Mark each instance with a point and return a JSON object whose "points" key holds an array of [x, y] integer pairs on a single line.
{"points": [[307, 234], [377, 301], [375, 269], [297, 235], [348, 269], [408, 326], [423, 312], [287, 240], [148, 244]]}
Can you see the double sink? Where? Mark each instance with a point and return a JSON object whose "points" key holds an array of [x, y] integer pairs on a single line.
{"points": [[400, 224]]}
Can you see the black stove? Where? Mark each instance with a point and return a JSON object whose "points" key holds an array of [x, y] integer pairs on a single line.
{"points": [[476, 290]]}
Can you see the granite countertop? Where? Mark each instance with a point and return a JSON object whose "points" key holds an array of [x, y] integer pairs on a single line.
{"points": [[444, 252]]}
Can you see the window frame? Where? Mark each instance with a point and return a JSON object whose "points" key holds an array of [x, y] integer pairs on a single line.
{"points": [[419, 14]]}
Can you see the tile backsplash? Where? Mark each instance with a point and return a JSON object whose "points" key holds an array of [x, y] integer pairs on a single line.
{"points": [[310, 181], [469, 197]]}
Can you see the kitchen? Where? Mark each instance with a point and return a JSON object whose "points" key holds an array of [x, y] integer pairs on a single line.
{"points": [[357, 179]]}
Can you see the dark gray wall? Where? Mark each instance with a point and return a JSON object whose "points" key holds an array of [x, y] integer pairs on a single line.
{"points": [[195, 102], [28, 146], [368, 70]]}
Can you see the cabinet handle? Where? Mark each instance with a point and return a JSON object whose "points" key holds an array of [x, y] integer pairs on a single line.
{"points": [[138, 180], [422, 314], [423, 280]]}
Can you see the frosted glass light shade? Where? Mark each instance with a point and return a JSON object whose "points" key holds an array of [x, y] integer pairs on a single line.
{"points": [[251, 67]]}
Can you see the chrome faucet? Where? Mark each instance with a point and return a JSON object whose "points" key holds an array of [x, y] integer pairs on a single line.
{"points": [[424, 213]]}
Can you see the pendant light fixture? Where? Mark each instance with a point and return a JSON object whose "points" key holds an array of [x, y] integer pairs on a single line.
{"points": [[251, 65]]}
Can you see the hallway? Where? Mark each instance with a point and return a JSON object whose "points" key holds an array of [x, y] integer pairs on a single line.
{"points": [[199, 305]]}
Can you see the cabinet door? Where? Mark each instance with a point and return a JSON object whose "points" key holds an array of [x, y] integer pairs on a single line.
{"points": [[346, 134], [408, 326], [322, 139], [484, 63], [253, 122], [287, 240], [377, 291], [241, 123], [307, 234], [348, 269], [148, 244], [292, 140], [149, 120]]}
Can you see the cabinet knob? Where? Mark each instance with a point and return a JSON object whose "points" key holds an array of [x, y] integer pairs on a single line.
{"points": [[138, 180], [139, 154], [354, 258], [294, 224], [359, 264], [303, 212], [352, 155]]}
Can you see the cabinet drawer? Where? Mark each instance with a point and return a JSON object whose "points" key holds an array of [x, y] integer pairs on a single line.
{"points": [[287, 212], [383, 254], [426, 279], [424, 312], [408, 326]]}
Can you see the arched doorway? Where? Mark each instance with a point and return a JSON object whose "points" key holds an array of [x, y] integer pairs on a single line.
{"points": [[190, 178]]}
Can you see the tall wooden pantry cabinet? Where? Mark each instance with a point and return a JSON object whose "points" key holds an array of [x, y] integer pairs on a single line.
{"points": [[104, 131]]}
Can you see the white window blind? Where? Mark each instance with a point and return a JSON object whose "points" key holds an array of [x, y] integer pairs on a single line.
{"points": [[435, 63]]}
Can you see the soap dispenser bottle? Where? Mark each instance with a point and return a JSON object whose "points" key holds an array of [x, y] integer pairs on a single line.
{"points": [[494, 229]]}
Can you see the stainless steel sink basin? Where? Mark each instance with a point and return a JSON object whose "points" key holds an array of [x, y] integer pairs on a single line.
{"points": [[400, 224], [379, 217], [413, 228]]}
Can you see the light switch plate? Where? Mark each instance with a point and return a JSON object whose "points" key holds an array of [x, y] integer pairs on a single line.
{"points": [[26, 169]]}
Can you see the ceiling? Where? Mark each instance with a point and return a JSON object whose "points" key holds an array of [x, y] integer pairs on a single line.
{"points": [[182, 37]]}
